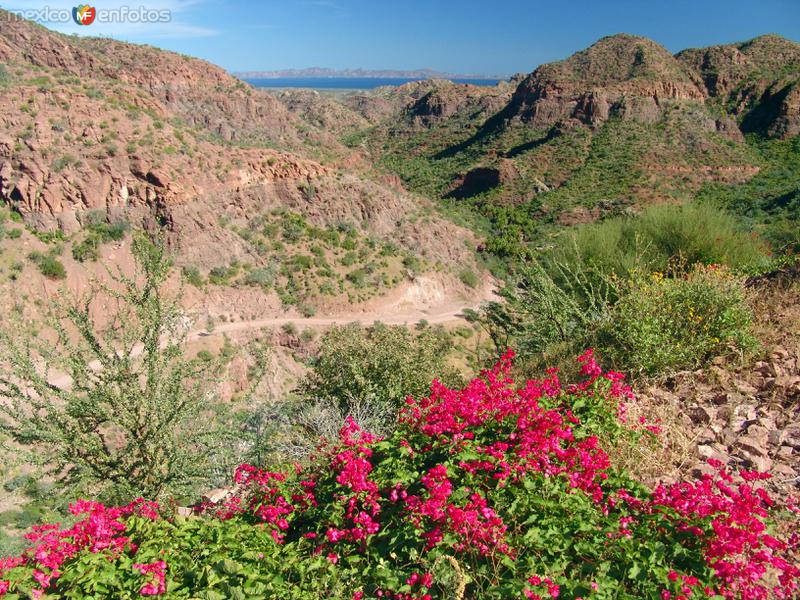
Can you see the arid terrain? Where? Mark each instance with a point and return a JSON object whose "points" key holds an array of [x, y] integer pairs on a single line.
{"points": [[330, 254]]}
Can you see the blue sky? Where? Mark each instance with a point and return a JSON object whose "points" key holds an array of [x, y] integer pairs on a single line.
{"points": [[464, 36]]}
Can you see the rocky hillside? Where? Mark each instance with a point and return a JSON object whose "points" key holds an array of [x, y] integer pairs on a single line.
{"points": [[757, 81], [153, 137], [622, 122], [622, 75]]}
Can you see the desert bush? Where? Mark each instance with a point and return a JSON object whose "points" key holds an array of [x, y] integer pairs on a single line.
{"points": [[98, 232], [663, 323], [411, 263], [127, 425], [693, 233], [381, 365], [489, 492], [51, 267], [294, 227], [358, 278], [307, 310], [468, 278], [350, 242], [261, 277], [87, 249], [192, 276], [546, 318]]}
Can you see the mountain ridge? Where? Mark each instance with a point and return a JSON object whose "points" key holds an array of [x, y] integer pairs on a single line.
{"points": [[326, 72]]}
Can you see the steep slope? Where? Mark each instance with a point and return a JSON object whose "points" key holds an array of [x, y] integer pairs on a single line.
{"points": [[622, 122], [628, 76], [98, 131], [758, 81], [200, 93]]}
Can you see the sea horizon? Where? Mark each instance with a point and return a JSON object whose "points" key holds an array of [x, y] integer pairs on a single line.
{"points": [[354, 83]]}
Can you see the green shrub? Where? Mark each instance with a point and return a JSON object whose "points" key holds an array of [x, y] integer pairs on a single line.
{"points": [[411, 263], [301, 262], [307, 310], [14, 234], [348, 259], [61, 163], [51, 267], [289, 328], [205, 356], [87, 249], [308, 189], [222, 275], [662, 323], [380, 365], [192, 276], [294, 227], [547, 318], [358, 278], [350, 242], [693, 233], [164, 443], [261, 277], [468, 278]]}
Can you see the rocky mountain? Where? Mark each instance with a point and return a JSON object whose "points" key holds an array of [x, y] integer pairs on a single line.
{"points": [[757, 81], [322, 72], [98, 125], [626, 76], [266, 208], [621, 122]]}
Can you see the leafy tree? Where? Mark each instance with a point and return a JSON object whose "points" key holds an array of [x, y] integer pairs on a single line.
{"points": [[379, 366], [365, 374], [116, 411]]}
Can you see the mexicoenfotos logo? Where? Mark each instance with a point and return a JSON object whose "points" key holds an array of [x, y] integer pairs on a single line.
{"points": [[84, 14]]}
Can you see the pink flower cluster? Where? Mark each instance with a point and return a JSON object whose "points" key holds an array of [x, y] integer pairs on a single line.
{"points": [[475, 524], [100, 532], [532, 438], [157, 586], [421, 581], [362, 500], [738, 547], [551, 589]]}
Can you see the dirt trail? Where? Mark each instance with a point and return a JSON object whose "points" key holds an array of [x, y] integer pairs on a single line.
{"points": [[443, 313], [436, 314]]}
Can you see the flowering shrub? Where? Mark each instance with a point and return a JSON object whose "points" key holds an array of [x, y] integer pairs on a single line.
{"points": [[485, 492], [662, 323]]}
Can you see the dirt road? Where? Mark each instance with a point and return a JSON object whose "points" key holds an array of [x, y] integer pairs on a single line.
{"points": [[437, 314]]}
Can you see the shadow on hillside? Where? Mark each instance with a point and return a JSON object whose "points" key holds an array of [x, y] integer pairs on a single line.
{"points": [[522, 148], [491, 127]]}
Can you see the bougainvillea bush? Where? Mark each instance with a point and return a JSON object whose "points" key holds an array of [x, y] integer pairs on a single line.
{"points": [[491, 491]]}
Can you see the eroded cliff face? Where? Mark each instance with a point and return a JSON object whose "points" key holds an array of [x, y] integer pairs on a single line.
{"points": [[622, 75], [91, 124], [757, 81]]}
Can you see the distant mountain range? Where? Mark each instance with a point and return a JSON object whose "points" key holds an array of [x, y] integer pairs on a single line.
{"points": [[324, 72]]}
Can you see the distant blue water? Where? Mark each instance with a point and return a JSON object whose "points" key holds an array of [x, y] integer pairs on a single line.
{"points": [[347, 83]]}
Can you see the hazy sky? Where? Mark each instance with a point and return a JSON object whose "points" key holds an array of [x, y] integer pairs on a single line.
{"points": [[464, 36]]}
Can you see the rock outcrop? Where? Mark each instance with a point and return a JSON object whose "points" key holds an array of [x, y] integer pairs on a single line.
{"points": [[757, 81], [622, 75]]}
